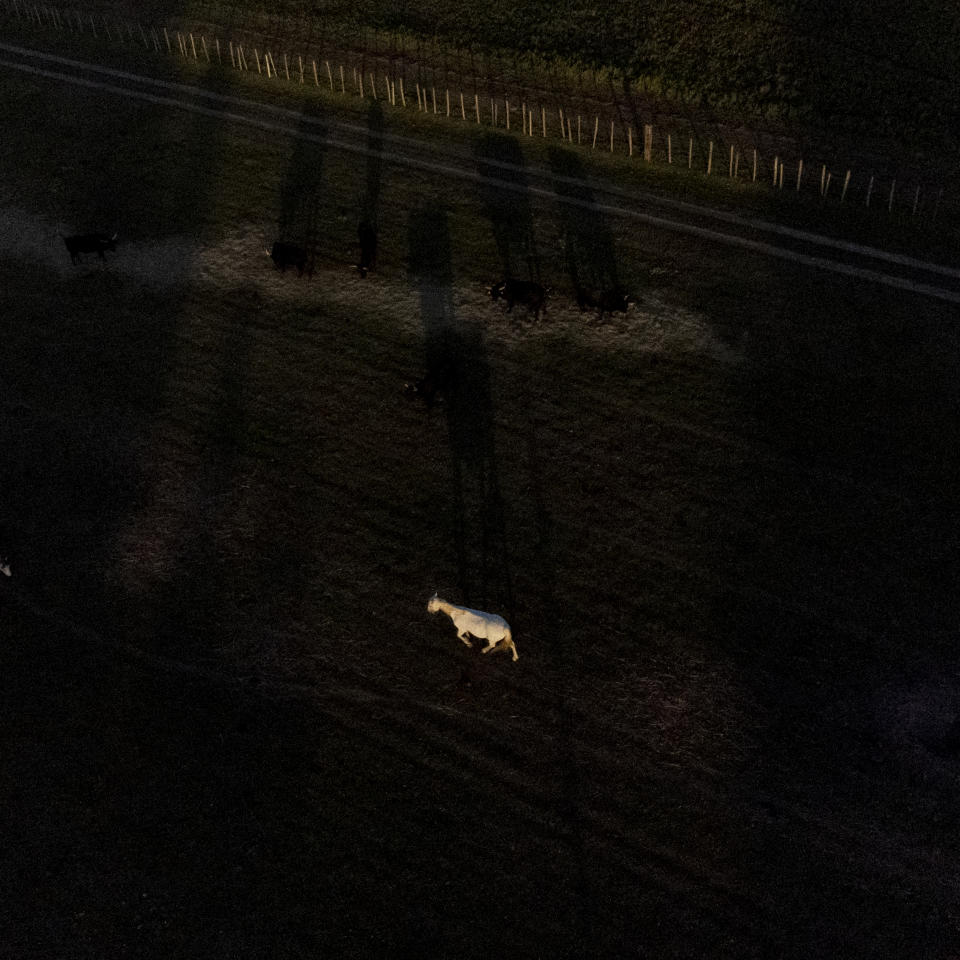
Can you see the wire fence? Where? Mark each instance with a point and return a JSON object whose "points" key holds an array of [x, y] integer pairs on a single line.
{"points": [[465, 92]]}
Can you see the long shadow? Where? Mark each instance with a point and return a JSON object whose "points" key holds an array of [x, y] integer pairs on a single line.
{"points": [[588, 243], [78, 479], [111, 360], [507, 210], [853, 396], [234, 424], [455, 355], [511, 219], [370, 199], [302, 195]]}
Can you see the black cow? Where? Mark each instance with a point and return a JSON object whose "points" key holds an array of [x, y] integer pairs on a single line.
{"points": [[368, 247], [426, 389], [436, 386], [286, 255], [525, 292], [606, 301], [89, 243]]}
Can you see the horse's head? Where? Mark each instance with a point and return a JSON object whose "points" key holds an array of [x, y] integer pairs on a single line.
{"points": [[433, 604]]}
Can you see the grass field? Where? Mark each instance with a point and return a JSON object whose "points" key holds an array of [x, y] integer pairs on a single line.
{"points": [[723, 529], [874, 69]]}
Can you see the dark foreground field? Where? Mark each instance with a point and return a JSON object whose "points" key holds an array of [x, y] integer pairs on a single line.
{"points": [[724, 530]]}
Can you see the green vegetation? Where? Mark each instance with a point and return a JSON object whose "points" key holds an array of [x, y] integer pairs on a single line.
{"points": [[879, 69], [875, 226]]}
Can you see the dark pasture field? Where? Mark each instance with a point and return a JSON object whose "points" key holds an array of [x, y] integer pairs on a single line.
{"points": [[723, 529]]}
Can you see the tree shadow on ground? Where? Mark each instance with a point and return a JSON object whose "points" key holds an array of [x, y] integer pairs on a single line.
{"points": [[499, 160], [370, 199], [589, 248], [456, 357], [303, 202]]}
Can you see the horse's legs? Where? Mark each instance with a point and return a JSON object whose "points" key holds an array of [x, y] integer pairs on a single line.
{"points": [[490, 645], [463, 636]]}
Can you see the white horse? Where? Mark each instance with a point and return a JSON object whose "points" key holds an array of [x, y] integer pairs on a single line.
{"points": [[5, 566], [483, 626]]}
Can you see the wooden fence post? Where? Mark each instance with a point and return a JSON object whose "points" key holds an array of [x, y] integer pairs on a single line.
{"points": [[799, 173], [596, 130], [219, 59], [893, 186], [166, 36], [193, 47], [846, 183], [611, 136], [579, 139], [669, 149], [730, 173], [448, 101], [629, 141], [543, 117], [823, 177], [776, 162], [869, 190], [690, 154], [648, 142], [403, 96], [203, 43], [343, 82], [476, 105], [463, 109], [754, 164], [710, 159], [506, 111]]}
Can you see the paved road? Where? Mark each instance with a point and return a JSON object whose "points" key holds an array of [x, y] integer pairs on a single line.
{"points": [[715, 226]]}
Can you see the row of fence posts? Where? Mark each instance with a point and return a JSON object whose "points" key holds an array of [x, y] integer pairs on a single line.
{"points": [[427, 98]]}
